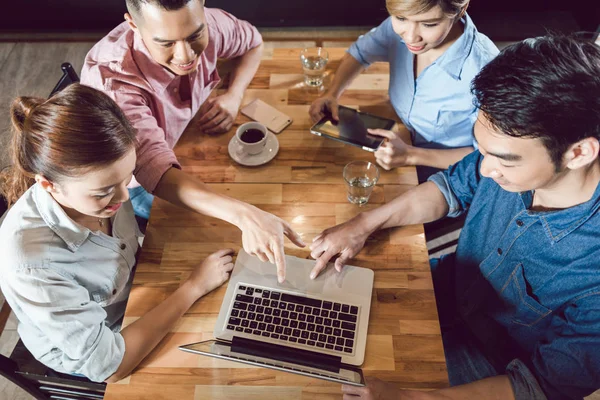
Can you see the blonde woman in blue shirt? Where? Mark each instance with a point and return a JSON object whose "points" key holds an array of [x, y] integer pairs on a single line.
{"points": [[69, 242], [434, 51]]}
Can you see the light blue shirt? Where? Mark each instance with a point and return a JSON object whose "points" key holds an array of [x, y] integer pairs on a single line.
{"points": [[438, 106], [67, 285]]}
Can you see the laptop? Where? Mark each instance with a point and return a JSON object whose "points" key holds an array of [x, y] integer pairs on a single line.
{"points": [[314, 328]]}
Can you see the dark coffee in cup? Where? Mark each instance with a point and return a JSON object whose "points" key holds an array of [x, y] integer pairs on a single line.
{"points": [[252, 136]]}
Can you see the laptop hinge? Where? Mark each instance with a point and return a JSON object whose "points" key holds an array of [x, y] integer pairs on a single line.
{"points": [[306, 358]]}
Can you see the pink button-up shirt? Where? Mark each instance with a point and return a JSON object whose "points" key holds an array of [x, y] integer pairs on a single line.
{"points": [[121, 66]]}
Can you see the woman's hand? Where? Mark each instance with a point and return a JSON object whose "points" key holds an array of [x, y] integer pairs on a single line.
{"points": [[324, 106], [393, 152], [212, 273]]}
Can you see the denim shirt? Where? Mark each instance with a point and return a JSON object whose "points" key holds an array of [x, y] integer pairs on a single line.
{"points": [[437, 107], [67, 285], [527, 283]]}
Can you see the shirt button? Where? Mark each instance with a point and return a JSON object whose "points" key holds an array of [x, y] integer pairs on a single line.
{"points": [[499, 251], [519, 222], [123, 246]]}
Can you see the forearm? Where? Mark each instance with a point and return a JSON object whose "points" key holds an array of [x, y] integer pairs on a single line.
{"points": [[244, 71], [424, 203], [185, 191], [348, 70], [144, 334], [437, 158], [494, 388]]}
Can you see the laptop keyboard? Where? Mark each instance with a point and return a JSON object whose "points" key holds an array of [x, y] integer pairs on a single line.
{"points": [[317, 324]]}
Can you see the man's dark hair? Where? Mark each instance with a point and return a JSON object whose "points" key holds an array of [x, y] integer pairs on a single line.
{"points": [[134, 6], [547, 88]]}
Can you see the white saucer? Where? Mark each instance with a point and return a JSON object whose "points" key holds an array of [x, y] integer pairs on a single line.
{"points": [[268, 153]]}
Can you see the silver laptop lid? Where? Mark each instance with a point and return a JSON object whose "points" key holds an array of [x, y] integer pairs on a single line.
{"points": [[220, 349], [352, 286]]}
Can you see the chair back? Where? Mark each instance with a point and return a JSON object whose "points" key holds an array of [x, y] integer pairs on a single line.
{"points": [[69, 76]]}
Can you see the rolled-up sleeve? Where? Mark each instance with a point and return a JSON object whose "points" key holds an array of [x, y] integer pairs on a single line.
{"points": [[566, 365], [154, 156], [374, 45], [233, 37], [459, 183], [62, 312]]}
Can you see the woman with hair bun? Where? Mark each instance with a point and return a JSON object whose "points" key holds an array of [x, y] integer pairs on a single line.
{"points": [[434, 51], [69, 240]]}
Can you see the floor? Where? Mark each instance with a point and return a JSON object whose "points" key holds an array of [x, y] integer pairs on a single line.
{"points": [[33, 68]]}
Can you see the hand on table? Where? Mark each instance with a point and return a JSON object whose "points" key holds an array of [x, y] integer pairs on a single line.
{"points": [[345, 240], [393, 152], [262, 236], [377, 389], [212, 273], [322, 106], [218, 114]]}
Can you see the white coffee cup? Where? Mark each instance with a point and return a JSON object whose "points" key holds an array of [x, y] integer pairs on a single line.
{"points": [[246, 139]]}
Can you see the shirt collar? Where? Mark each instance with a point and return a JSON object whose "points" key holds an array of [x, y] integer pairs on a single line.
{"points": [[454, 58], [559, 224], [73, 234]]}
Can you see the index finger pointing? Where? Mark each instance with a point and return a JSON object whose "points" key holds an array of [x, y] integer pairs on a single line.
{"points": [[279, 253], [321, 263]]}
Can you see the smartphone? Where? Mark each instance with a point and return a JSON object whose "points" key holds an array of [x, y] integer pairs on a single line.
{"points": [[352, 128], [269, 116]]}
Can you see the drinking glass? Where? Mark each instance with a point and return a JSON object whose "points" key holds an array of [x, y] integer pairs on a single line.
{"points": [[314, 61], [360, 177]]}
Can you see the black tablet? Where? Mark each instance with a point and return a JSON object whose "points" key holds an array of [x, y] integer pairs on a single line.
{"points": [[352, 128]]}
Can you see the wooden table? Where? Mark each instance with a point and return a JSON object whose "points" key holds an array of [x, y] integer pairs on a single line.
{"points": [[303, 185]]}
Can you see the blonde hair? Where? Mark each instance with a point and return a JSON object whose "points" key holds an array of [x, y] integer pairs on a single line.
{"points": [[452, 8]]}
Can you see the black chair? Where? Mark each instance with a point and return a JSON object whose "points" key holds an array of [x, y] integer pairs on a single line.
{"points": [[69, 76], [21, 367]]}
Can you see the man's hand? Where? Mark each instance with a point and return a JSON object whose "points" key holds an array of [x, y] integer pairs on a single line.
{"points": [[377, 389], [218, 114], [493, 388], [346, 239], [393, 152], [262, 236]]}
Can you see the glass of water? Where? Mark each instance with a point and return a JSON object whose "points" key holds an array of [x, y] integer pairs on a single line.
{"points": [[361, 177], [314, 61]]}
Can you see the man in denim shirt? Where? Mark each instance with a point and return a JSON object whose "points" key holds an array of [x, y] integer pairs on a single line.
{"points": [[519, 301]]}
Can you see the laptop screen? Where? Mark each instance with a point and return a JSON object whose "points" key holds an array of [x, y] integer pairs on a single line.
{"points": [[214, 348]]}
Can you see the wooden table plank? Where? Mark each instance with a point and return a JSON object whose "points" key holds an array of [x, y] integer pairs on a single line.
{"points": [[303, 185]]}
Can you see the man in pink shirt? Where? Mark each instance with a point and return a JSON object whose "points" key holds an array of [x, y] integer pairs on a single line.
{"points": [[160, 67]]}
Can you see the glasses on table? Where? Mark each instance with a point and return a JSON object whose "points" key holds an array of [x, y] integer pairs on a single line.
{"points": [[360, 177]]}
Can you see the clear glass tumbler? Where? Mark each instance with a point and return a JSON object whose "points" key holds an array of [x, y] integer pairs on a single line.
{"points": [[361, 177], [314, 61]]}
